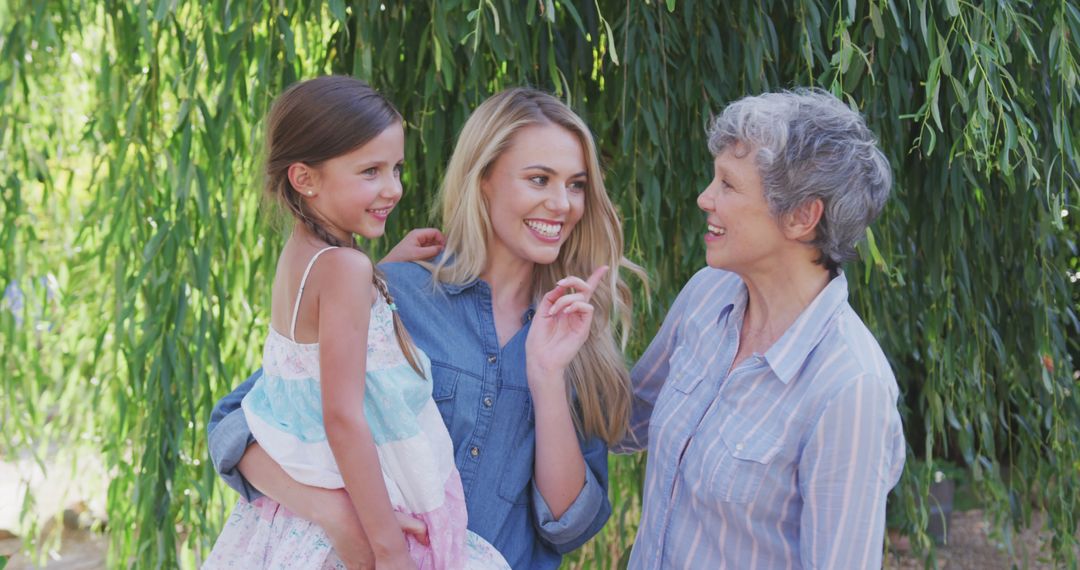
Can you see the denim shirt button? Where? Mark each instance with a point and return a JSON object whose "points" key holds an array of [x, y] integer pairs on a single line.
{"points": [[491, 358], [487, 401], [475, 451]]}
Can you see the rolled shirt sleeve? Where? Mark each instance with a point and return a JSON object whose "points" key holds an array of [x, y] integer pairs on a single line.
{"points": [[853, 457], [229, 437], [589, 511]]}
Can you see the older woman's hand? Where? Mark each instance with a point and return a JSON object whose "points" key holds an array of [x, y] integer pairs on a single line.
{"points": [[417, 245], [561, 324]]}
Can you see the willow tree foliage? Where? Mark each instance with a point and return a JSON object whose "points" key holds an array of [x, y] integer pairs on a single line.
{"points": [[135, 259]]}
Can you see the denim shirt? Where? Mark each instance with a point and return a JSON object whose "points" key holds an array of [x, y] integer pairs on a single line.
{"points": [[482, 392]]}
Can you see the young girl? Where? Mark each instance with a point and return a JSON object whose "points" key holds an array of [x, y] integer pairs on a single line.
{"points": [[335, 155]]}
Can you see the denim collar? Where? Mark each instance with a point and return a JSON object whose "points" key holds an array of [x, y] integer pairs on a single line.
{"points": [[457, 288], [484, 289]]}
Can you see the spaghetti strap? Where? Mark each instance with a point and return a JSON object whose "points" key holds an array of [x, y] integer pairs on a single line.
{"points": [[300, 293]]}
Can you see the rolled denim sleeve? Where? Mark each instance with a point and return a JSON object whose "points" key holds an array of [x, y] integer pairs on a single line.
{"points": [[589, 511], [229, 437]]}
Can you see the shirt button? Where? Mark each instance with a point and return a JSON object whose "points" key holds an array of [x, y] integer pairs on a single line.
{"points": [[487, 402], [738, 447], [474, 451], [491, 359]]}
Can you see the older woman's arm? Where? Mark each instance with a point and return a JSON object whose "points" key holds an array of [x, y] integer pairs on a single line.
{"points": [[853, 458], [651, 371]]}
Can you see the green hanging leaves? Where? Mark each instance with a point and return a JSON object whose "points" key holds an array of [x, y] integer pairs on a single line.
{"points": [[132, 136]]}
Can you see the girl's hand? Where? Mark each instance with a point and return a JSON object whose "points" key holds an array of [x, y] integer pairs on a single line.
{"points": [[346, 534], [561, 324], [414, 527], [417, 245]]}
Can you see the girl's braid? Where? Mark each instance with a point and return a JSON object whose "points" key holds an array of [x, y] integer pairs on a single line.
{"points": [[404, 340]]}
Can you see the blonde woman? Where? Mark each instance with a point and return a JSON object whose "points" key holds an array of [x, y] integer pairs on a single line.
{"points": [[527, 373]]}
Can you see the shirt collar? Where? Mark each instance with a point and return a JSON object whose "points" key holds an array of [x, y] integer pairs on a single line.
{"points": [[736, 307], [457, 288], [787, 355], [452, 288]]}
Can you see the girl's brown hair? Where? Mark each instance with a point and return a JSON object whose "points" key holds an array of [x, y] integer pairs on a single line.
{"points": [[312, 122]]}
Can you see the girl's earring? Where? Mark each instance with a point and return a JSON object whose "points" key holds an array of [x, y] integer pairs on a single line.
{"points": [[310, 193]]}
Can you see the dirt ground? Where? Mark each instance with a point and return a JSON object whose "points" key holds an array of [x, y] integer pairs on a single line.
{"points": [[970, 547], [55, 486], [80, 550]]}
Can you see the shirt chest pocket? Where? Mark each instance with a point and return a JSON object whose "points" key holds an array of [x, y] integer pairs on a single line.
{"points": [[685, 372], [733, 467], [443, 389], [517, 468]]}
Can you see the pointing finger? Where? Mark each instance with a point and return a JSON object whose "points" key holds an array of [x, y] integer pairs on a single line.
{"points": [[596, 276]]}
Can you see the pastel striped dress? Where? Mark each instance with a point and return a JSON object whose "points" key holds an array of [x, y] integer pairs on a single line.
{"points": [[284, 411]]}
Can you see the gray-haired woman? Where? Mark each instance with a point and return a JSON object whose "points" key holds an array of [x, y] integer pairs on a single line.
{"points": [[768, 409]]}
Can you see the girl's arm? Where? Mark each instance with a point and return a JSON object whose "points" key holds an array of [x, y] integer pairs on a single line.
{"points": [[345, 297], [246, 467], [558, 331]]}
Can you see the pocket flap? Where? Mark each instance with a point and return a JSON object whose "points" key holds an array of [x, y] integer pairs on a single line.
{"points": [[758, 446], [684, 374], [444, 385]]}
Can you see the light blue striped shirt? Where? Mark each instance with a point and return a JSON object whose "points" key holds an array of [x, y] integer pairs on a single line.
{"points": [[783, 462]]}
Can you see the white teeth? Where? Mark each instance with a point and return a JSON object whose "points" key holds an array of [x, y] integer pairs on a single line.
{"points": [[715, 230], [546, 230]]}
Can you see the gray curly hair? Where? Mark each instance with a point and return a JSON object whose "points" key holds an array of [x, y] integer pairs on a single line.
{"points": [[811, 145]]}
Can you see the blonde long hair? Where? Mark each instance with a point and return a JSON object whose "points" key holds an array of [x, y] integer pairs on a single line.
{"points": [[598, 374]]}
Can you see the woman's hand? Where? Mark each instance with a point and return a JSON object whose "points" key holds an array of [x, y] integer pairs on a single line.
{"points": [[347, 536], [343, 528], [417, 245], [331, 509], [561, 324], [414, 527]]}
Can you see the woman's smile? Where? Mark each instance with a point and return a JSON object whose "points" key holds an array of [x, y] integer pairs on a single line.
{"points": [[545, 230]]}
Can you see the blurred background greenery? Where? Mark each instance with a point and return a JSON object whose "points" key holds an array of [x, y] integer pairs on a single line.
{"points": [[135, 261]]}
